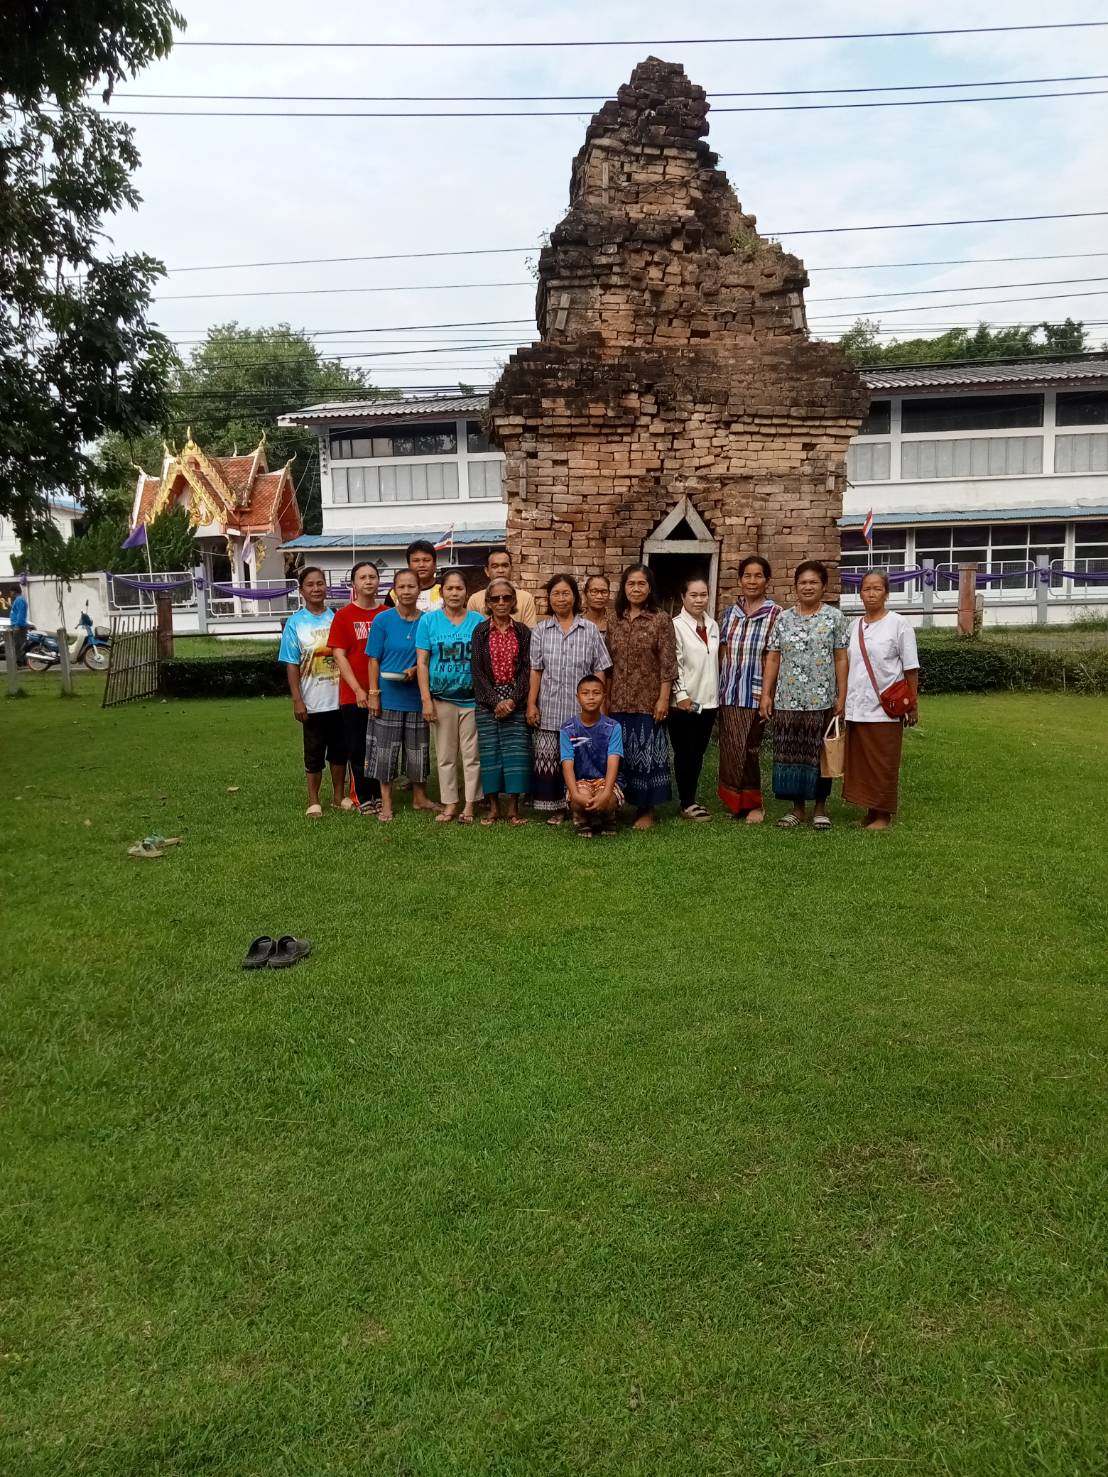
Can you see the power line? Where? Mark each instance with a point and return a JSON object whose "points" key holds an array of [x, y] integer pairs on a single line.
{"points": [[669, 41], [571, 97], [972, 287], [180, 297], [959, 261], [904, 102], [390, 256], [465, 286], [396, 328], [1045, 297]]}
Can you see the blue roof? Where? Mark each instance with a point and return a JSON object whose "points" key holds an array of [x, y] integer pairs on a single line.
{"points": [[391, 538], [979, 515]]}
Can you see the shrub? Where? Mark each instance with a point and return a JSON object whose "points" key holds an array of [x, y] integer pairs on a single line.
{"points": [[223, 676], [951, 663]]}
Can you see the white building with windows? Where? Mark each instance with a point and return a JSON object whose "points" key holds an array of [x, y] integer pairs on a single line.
{"points": [[1003, 462], [63, 510], [391, 471]]}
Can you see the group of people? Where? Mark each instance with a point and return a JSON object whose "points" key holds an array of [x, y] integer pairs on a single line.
{"points": [[579, 710]]}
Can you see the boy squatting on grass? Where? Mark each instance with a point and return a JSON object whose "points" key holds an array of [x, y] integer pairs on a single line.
{"points": [[590, 748]]}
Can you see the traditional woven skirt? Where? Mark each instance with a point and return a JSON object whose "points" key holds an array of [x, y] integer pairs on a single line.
{"points": [[548, 785], [644, 773], [395, 739], [871, 769], [797, 746], [740, 769], [505, 745]]}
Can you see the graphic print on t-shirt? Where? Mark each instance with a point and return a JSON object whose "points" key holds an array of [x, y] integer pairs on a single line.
{"points": [[449, 646]]}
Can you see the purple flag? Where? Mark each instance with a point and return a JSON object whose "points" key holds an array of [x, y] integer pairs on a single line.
{"points": [[136, 539]]}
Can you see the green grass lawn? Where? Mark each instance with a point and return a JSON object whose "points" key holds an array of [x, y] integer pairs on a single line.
{"points": [[707, 1151]]}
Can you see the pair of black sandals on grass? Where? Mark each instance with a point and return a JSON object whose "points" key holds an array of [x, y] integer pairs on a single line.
{"points": [[282, 953]]}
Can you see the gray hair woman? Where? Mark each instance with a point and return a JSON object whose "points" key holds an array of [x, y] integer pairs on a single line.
{"points": [[881, 652]]}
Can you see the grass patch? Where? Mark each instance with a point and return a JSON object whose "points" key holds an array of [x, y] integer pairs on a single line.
{"points": [[706, 1151]]}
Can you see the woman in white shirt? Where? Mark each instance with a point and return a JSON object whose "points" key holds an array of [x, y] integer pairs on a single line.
{"points": [[695, 694], [873, 739]]}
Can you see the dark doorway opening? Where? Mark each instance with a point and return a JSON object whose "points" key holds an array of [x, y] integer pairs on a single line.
{"points": [[670, 573]]}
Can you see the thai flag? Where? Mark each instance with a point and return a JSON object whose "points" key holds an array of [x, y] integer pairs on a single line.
{"points": [[447, 540], [136, 539], [867, 527]]}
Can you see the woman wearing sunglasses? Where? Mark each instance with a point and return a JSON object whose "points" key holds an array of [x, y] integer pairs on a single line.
{"points": [[501, 675]]}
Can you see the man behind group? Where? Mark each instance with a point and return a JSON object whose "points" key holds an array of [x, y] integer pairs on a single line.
{"points": [[17, 624], [498, 566], [421, 558]]}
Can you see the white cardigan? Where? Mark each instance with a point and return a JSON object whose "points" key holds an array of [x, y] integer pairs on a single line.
{"points": [[697, 664]]}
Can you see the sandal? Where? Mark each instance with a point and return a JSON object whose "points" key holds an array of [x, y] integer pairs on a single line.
{"points": [[314, 812], [259, 953], [696, 813], [489, 820], [518, 820], [787, 822], [821, 823], [463, 820], [344, 804], [557, 819], [288, 951], [442, 819]]}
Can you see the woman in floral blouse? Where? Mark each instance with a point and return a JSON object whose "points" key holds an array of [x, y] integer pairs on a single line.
{"points": [[644, 668], [803, 687]]}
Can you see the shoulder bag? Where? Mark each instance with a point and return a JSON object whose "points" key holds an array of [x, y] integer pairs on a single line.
{"points": [[896, 700]]}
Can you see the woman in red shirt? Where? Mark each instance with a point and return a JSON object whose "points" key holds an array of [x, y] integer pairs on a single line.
{"points": [[349, 631]]}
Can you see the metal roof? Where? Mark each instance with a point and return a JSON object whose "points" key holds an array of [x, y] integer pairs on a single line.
{"points": [[986, 374], [367, 412], [977, 515], [390, 538]]}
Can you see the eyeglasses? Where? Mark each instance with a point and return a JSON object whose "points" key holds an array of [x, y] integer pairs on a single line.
{"points": [[493, 599]]}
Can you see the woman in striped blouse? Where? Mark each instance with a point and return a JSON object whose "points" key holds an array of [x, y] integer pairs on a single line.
{"points": [[743, 633]]}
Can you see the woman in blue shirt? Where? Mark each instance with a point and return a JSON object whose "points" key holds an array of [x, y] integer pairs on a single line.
{"points": [[445, 674]]}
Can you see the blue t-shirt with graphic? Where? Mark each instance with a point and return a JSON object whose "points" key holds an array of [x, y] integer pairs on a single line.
{"points": [[304, 645], [450, 649], [391, 642], [590, 746]]}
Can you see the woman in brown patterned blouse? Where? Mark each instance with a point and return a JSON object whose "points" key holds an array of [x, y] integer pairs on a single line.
{"points": [[644, 668]]}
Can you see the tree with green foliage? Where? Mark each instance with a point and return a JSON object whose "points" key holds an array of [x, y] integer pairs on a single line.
{"points": [[78, 359], [229, 393], [862, 343], [98, 545]]}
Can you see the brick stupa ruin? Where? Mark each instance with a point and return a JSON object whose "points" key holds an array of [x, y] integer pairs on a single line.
{"points": [[675, 405]]}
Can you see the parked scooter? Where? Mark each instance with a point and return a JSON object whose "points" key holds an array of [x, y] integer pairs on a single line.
{"points": [[91, 646]]}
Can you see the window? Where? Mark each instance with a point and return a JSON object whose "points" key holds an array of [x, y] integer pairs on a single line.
{"points": [[430, 440], [868, 462], [997, 548], [889, 548], [486, 479], [476, 440], [1082, 408], [970, 413], [971, 456], [878, 421], [1090, 549], [963, 543], [1087, 453], [422, 483]]}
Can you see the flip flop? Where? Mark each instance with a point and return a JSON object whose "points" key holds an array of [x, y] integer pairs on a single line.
{"points": [[696, 813], [489, 820], [442, 819], [821, 823], [345, 804], [259, 953], [314, 812], [787, 822], [145, 849], [518, 820], [463, 820], [288, 951]]}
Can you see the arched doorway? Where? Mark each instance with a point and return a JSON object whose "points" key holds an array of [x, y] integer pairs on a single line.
{"points": [[682, 545]]}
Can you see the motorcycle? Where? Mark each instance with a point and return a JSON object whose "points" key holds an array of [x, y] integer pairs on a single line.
{"points": [[90, 646]]}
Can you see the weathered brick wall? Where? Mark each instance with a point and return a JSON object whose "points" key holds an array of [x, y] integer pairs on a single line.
{"points": [[674, 361]]}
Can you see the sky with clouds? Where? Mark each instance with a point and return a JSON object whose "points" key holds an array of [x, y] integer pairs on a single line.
{"points": [[220, 190]]}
